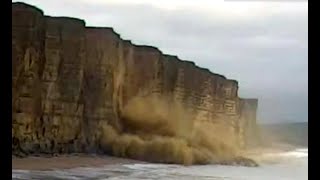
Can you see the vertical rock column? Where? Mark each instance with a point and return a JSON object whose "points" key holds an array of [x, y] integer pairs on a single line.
{"points": [[102, 78], [142, 71], [169, 74], [145, 78], [128, 59], [203, 96], [61, 121], [27, 66], [248, 126]]}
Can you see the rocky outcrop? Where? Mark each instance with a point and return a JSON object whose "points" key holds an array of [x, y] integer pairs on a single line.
{"points": [[68, 79]]}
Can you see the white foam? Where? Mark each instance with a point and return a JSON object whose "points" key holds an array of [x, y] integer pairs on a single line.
{"points": [[149, 166], [302, 150], [295, 169], [298, 153]]}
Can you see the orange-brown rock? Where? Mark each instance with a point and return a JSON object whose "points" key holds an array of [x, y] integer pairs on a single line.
{"points": [[68, 79]]}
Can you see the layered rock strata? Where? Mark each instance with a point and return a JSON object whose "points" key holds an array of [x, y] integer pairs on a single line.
{"points": [[68, 79]]}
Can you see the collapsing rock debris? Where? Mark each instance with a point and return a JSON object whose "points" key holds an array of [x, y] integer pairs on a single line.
{"points": [[84, 89]]}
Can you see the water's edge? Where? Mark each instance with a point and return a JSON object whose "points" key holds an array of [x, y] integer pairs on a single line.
{"points": [[291, 165]]}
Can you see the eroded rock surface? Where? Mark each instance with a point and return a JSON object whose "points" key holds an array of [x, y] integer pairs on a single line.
{"points": [[68, 79]]}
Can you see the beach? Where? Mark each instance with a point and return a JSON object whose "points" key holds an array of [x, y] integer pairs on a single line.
{"points": [[284, 165], [68, 162]]}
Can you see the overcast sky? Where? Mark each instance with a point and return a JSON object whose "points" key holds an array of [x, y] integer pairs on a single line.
{"points": [[263, 45]]}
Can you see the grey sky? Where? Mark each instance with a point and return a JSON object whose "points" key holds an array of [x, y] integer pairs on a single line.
{"points": [[263, 45]]}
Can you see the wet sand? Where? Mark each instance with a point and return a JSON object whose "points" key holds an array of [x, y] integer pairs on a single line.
{"points": [[67, 161], [84, 160]]}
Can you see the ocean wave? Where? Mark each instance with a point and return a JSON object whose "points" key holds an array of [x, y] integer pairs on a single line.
{"points": [[302, 150], [291, 165], [297, 153]]}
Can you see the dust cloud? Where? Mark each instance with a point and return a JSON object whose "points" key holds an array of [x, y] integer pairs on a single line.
{"points": [[157, 129]]}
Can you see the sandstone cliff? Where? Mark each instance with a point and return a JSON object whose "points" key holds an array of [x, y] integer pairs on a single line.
{"points": [[70, 80]]}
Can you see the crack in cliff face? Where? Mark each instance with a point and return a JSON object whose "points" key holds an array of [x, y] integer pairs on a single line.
{"points": [[99, 92]]}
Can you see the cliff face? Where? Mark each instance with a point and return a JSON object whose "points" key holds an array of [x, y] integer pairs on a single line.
{"points": [[69, 80]]}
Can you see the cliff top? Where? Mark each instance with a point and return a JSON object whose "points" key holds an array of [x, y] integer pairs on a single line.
{"points": [[67, 20], [110, 30], [25, 7]]}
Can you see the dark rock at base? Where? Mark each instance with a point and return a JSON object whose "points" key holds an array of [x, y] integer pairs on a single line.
{"points": [[19, 154], [240, 161]]}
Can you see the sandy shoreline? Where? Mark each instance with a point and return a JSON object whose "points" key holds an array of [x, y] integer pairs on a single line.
{"points": [[86, 160], [67, 161]]}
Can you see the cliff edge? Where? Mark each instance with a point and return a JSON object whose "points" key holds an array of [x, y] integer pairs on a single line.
{"points": [[84, 89]]}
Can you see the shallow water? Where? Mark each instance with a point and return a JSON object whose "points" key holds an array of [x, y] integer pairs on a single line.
{"points": [[291, 165]]}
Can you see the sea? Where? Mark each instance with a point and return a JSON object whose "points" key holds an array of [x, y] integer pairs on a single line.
{"points": [[290, 165]]}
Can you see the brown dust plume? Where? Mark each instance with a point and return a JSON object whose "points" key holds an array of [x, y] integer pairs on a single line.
{"points": [[157, 129]]}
